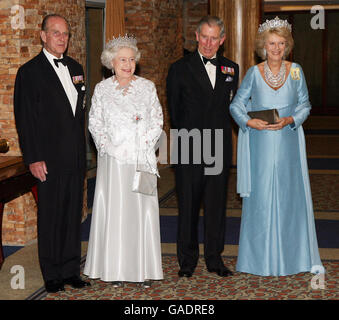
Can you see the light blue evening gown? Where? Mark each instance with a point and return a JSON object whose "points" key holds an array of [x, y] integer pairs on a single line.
{"points": [[277, 235]]}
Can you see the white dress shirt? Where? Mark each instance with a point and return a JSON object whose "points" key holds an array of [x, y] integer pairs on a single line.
{"points": [[65, 79], [211, 69]]}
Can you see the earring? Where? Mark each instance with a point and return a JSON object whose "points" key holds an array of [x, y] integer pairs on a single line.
{"points": [[265, 53]]}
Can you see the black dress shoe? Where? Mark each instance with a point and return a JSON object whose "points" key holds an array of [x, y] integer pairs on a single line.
{"points": [[53, 286], [221, 271], [185, 273], [76, 282]]}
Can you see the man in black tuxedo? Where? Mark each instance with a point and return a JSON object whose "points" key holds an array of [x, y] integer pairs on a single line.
{"points": [[50, 119], [200, 87]]}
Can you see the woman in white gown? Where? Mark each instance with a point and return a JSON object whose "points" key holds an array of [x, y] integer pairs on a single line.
{"points": [[125, 121]]}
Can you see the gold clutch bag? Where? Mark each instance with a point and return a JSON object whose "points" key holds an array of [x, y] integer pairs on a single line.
{"points": [[271, 115]]}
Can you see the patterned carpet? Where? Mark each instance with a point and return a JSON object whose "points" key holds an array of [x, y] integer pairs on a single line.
{"points": [[204, 286]]}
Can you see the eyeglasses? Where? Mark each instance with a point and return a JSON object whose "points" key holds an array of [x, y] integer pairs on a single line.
{"points": [[58, 34]]}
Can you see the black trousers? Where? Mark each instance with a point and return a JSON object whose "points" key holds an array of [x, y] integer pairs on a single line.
{"points": [[193, 189], [60, 200]]}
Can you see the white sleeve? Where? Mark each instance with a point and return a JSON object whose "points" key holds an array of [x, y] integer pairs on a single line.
{"points": [[96, 122], [155, 125]]}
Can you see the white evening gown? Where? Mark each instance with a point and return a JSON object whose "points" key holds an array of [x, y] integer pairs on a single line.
{"points": [[124, 242]]}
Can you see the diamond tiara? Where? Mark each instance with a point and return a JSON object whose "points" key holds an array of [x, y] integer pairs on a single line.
{"points": [[122, 41], [274, 23]]}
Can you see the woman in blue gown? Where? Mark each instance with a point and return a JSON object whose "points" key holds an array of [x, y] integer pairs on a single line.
{"points": [[277, 235]]}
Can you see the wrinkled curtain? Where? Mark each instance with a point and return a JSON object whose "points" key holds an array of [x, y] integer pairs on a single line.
{"points": [[115, 18]]}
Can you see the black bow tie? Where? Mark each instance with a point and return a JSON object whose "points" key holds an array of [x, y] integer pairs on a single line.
{"points": [[213, 60], [56, 61]]}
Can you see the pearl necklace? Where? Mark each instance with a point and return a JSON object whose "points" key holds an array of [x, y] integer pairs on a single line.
{"points": [[275, 80]]}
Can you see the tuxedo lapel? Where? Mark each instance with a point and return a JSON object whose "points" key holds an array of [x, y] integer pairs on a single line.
{"points": [[78, 86], [220, 79], [223, 82], [54, 81], [197, 68]]}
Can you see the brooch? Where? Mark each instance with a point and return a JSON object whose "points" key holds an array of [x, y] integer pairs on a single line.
{"points": [[136, 118], [295, 73]]}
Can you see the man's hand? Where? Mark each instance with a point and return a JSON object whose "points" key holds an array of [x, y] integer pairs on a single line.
{"points": [[39, 170]]}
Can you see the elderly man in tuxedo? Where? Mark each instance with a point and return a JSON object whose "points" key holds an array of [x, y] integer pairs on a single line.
{"points": [[200, 87], [50, 120]]}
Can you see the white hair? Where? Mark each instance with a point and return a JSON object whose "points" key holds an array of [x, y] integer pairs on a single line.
{"points": [[211, 21], [113, 46]]}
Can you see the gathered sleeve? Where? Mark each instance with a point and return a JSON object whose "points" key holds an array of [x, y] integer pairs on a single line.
{"points": [[96, 121], [241, 99], [149, 131], [155, 125], [303, 107]]}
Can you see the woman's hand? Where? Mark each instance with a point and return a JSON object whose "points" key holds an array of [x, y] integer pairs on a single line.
{"points": [[257, 124], [281, 123]]}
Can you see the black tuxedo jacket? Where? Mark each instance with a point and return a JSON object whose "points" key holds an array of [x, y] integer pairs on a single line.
{"points": [[47, 128], [192, 101]]}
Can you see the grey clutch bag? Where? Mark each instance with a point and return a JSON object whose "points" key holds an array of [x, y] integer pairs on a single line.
{"points": [[271, 115], [145, 183]]}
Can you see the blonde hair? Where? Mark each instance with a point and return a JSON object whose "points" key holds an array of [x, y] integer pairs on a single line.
{"points": [[262, 37]]}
